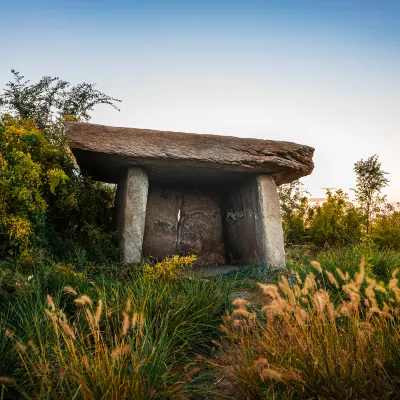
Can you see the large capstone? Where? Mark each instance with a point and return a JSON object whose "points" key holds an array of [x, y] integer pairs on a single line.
{"points": [[184, 193]]}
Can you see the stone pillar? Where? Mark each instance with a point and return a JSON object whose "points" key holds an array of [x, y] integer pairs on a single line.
{"points": [[131, 199], [253, 225]]}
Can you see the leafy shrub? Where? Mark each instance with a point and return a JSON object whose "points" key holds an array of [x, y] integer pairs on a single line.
{"points": [[45, 203], [386, 230]]}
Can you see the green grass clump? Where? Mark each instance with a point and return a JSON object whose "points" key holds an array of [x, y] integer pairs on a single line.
{"points": [[131, 337]]}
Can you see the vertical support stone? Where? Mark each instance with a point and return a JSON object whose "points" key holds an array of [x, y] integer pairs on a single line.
{"points": [[253, 225], [131, 199]]}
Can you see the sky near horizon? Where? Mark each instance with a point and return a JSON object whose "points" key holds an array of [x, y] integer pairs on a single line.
{"points": [[322, 73]]}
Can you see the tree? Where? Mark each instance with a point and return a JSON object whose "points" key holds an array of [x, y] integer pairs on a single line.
{"points": [[45, 202], [294, 203], [335, 222], [51, 100], [370, 182]]}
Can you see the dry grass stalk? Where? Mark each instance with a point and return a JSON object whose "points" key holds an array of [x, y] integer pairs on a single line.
{"points": [[310, 344]]}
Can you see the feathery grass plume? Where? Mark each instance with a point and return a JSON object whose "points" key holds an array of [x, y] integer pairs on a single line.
{"points": [[116, 353], [50, 302], [297, 291], [379, 288], [125, 324], [300, 316], [290, 376], [271, 374], [309, 284], [332, 279], [284, 285], [329, 346], [5, 380], [128, 305], [53, 319], [241, 303], [21, 347], [67, 329], [134, 319], [142, 321], [260, 364], [317, 266], [98, 312], [9, 334], [319, 302], [90, 318], [32, 346], [340, 273], [140, 364], [70, 290], [299, 281], [241, 312], [269, 290], [83, 300], [85, 362], [359, 276], [237, 323]]}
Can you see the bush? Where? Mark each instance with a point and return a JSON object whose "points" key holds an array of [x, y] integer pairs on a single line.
{"points": [[45, 203]]}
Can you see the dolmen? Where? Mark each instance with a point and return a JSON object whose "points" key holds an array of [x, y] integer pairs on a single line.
{"points": [[184, 193]]}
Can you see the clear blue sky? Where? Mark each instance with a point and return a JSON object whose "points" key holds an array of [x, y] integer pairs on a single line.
{"points": [[323, 73]]}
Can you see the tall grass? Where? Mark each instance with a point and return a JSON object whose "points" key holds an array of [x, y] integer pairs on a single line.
{"points": [[127, 338], [308, 345]]}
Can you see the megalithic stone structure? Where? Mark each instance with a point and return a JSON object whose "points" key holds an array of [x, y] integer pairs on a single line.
{"points": [[184, 193]]}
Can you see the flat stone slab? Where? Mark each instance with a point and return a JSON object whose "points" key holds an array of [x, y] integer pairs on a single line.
{"points": [[105, 152], [213, 270]]}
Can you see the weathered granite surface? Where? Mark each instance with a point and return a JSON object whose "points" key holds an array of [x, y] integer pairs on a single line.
{"points": [[131, 201], [106, 152], [253, 223], [183, 220]]}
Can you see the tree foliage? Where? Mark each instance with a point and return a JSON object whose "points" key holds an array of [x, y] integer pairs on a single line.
{"points": [[370, 182], [294, 205], [44, 200], [51, 100], [336, 221]]}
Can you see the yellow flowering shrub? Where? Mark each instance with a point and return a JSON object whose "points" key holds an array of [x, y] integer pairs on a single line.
{"points": [[26, 160], [68, 272], [170, 267]]}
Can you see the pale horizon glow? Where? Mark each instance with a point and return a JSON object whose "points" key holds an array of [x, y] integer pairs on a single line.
{"points": [[320, 73]]}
